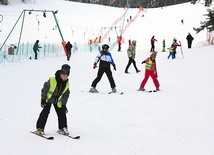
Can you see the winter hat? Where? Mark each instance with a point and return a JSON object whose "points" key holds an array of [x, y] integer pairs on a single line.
{"points": [[153, 55], [134, 42], [65, 69]]}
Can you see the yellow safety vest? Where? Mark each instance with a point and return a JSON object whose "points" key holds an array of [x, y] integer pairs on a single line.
{"points": [[149, 64], [53, 84]]}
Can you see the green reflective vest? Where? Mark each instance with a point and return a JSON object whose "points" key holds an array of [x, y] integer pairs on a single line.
{"points": [[53, 84]]}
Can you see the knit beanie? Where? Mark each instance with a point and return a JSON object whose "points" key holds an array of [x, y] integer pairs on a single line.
{"points": [[65, 69]]}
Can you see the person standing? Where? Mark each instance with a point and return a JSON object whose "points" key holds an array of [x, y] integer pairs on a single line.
{"points": [[171, 52], [131, 51], [164, 46], [150, 70], [68, 47], [36, 48], [105, 61], [175, 45], [55, 91], [119, 38], [153, 43], [189, 40]]}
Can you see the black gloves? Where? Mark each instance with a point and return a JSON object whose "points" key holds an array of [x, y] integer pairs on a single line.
{"points": [[95, 65], [43, 103]]}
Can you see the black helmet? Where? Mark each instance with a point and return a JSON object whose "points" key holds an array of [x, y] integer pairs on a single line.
{"points": [[105, 47]]}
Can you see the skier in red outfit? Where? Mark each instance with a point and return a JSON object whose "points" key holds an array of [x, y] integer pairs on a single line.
{"points": [[150, 70]]}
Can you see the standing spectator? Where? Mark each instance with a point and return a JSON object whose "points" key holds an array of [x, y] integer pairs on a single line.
{"points": [[189, 40], [55, 91], [150, 70], [153, 44], [164, 46], [105, 59], [131, 55], [36, 48], [68, 47]]}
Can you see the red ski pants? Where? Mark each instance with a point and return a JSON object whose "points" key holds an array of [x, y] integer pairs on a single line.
{"points": [[146, 77]]}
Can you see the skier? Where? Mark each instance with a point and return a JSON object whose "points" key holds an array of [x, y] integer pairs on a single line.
{"points": [[150, 70], [164, 45], [131, 55], [153, 43], [68, 47], [175, 45], [119, 38], [36, 48], [189, 40], [105, 59], [171, 52], [55, 91]]}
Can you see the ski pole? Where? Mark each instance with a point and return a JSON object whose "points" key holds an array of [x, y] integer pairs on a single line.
{"points": [[181, 50]]}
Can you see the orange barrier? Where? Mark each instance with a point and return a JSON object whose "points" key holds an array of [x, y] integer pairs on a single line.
{"points": [[63, 44]]}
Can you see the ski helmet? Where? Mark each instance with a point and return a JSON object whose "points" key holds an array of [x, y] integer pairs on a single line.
{"points": [[105, 47]]}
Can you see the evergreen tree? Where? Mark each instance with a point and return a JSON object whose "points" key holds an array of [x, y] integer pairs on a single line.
{"points": [[209, 23]]}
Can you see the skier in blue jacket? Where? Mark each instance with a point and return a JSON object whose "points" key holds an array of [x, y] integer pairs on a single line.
{"points": [[106, 60]]}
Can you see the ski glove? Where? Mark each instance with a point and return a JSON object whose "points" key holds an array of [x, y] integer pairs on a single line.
{"points": [[95, 65], [43, 103], [114, 67]]}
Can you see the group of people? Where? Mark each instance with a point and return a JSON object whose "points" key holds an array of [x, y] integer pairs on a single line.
{"points": [[68, 47], [56, 90], [105, 60]]}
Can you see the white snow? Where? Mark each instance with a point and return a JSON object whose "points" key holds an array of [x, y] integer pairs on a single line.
{"points": [[178, 120]]}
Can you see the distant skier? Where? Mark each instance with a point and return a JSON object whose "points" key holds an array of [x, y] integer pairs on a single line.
{"points": [[164, 45], [119, 38], [175, 45], [36, 48], [189, 40], [68, 47], [171, 52], [153, 44], [131, 55]]}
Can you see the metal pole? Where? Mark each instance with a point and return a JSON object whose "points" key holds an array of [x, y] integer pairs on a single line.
{"points": [[58, 26], [11, 30]]}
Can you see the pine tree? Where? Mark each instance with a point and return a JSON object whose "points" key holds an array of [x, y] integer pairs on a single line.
{"points": [[209, 23]]}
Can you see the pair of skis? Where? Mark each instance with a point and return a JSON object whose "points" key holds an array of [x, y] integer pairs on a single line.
{"points": [[51, 137]]}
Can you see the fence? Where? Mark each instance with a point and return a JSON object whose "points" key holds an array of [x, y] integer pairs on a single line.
{"points": [[11, 54]]}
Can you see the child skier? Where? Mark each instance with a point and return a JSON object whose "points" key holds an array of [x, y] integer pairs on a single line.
{"points": [[105, 59], [55, 91], [131, 55], [150, 70]]}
